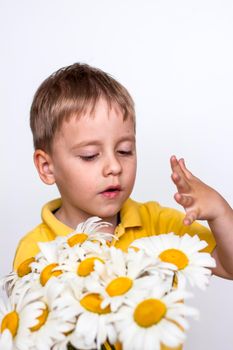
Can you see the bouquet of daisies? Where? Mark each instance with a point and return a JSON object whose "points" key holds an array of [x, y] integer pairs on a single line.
{"points": [[80, 292]]}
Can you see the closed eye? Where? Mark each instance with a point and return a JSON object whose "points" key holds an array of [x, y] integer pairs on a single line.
{"points": [[125, 153], [89, 158]]}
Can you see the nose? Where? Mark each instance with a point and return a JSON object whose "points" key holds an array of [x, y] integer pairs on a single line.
{"points": [[112, 166]]}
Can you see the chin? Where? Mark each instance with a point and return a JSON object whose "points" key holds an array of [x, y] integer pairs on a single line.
{"points": [[105, 214]]}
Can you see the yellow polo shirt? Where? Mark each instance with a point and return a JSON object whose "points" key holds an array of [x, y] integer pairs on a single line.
{"points": [[137, 220]]}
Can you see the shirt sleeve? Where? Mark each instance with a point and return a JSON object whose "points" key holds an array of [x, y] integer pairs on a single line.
{"points": [[25, 250], [171, 220]]}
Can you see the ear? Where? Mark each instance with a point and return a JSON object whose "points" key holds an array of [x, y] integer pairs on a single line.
{"points": [[44, 166]]}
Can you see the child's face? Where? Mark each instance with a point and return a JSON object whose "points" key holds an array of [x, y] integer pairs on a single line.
{"points": [[94, 163]]}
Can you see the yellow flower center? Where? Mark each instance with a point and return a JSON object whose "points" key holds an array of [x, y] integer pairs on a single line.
{"points": [[119, 286], [41, 320], [48, 272], [68, 333], [87, 266], [92, 302], [118, 346], [10, 322], [76, 239], [24, 268], [149, 312], [176, 257], [136, 249]]}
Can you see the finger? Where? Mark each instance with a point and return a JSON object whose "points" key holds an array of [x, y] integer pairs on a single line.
{"points": [[184, 200], [175, 166], [190, 217], [182, 165], [173, 162], [180, 182]]}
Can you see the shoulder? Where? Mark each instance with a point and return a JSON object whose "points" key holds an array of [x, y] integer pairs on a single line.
{"points": [[40, 233], [150, 215], [45, 230], [150, 209], [28, 247], [155, 219]]}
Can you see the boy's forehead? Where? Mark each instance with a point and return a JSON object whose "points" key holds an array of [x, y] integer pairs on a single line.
{"points": [[94, 113], [98, 119], [94, 108]]}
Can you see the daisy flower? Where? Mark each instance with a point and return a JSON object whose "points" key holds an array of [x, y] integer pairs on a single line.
{"points": [[83, 264], [47, 262], [123, 276], [75, 287], [80, 291], [53, 262], [66, 251], [57, 315], [152, 321], [94, 326], [19, 278], [184, 253], [89, 231], [17, 314]]}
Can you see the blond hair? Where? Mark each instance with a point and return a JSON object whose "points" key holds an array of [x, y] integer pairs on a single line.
{"points": [[71, 91]]}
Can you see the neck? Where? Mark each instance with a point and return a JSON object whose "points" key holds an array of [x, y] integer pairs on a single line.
{"points": [[71, 219]]}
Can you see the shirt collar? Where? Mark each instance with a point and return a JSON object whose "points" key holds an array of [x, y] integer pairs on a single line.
{"points": [[129, 214], [48, 217]]}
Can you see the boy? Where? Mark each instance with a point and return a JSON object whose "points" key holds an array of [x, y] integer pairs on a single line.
{"points": [[83, 125]]}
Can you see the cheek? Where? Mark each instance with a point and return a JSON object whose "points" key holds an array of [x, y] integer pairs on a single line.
{"points": [[130, 171], [84, 180], [133, 176], [133, 165]]}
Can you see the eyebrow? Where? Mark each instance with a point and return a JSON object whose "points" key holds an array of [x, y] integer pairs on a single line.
{"points": [[98, 143]]}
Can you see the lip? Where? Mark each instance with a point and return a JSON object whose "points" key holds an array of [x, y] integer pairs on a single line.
{"points": [[111, 191]]}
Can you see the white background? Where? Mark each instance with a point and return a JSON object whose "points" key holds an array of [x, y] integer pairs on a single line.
{"points": [[176, 59]]}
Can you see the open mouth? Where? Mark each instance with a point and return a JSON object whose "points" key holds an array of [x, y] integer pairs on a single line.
{"points": [[111, 191]]}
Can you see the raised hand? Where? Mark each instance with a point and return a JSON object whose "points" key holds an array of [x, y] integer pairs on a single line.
{"points": [[202, 202], [198, 199]]}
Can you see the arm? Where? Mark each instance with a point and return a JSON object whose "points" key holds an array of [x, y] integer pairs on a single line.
{"points": [[202, 202]]}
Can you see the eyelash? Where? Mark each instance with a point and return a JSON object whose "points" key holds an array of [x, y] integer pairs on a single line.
{"points": [[94, 156], [88, 158], [125, 153]]}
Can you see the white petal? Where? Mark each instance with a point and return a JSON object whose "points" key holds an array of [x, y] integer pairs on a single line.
{"points": [[6, 341]]}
